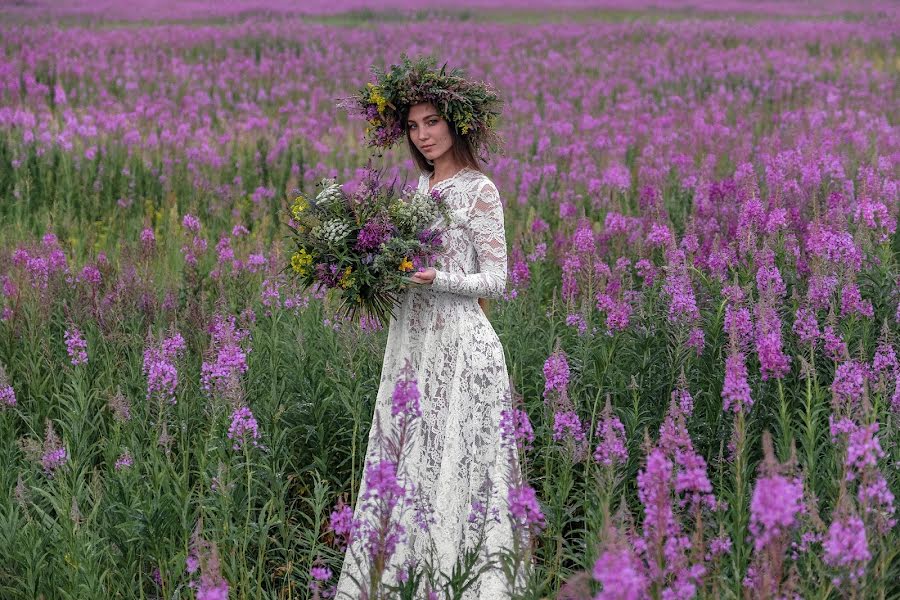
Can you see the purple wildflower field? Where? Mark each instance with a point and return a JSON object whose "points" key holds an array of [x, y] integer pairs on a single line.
{"points": [[701, 320]]}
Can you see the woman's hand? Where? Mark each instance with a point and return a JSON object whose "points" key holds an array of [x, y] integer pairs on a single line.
{"points": [[424, 277]]}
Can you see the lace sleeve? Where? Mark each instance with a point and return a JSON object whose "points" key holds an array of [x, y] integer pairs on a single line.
{"points": [[485, 220]]}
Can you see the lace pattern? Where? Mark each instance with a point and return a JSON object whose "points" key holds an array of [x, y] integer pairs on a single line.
{"points": [[456, 458]]}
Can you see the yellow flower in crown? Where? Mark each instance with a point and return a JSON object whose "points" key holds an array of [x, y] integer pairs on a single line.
{"points": [[406, 265], [376, 97], [345, 280], [301, 260], [300, 204]]}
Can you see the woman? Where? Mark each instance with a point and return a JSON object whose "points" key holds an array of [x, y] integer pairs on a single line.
{"points": [[440, 337]]}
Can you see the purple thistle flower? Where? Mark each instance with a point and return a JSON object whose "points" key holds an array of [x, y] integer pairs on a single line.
{"points": [[243, 428], [76, 347], [524, 508]]}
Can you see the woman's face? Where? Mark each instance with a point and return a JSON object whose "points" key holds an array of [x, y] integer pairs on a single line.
{"points": [[429, 131]]}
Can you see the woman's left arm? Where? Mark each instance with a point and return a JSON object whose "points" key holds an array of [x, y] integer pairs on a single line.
{"points": [[486, 224]]}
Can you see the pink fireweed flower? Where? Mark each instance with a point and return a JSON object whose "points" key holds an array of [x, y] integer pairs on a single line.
{"points": [[863, 450], [577, 321], [524, 509], [191, 223], [611, 449], [148, 238], [849, 382], [806, 326], [773, 362], [515, 429], [696, 340], [159, 367], [621, 574], [243, 428], [852, 302], [341, 523], [835, 347], [125, 461], [229, 360], [774, 507], [567, 424], [54, 454], [556, 373], [7, 393], [405, 397], [735, 390], [682, 302], [76, 346], [659, 236], [846, 548]]}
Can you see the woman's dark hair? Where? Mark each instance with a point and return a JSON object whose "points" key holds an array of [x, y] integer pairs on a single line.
{"points": [[461, 148]]}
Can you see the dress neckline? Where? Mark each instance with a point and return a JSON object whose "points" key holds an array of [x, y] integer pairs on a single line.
{"points": [[451, 178]]}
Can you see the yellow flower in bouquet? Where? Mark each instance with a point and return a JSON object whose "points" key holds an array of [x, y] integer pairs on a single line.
{"points": [[406, 265], [301, 260], [300, 204], [345, 280]]}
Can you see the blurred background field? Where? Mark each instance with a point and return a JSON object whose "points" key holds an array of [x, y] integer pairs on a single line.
{"points": [[683, 185]]}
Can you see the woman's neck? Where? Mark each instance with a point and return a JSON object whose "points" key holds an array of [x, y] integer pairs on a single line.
{"points": [[444, 168]]}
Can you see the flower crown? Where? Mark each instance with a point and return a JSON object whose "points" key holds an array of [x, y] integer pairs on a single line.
{"points": [[472, 107]]}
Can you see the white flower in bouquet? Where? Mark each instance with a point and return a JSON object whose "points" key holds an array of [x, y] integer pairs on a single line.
{"points": [[331, 231], [331, 191], [417, 211]]}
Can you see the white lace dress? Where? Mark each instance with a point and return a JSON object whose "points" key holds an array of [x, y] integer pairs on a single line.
{"points": [[456, 457]]}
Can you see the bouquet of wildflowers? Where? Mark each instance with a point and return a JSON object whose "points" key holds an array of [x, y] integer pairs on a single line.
{"points": [[365, 244]]}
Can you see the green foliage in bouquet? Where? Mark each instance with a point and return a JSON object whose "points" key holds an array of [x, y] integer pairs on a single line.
{"points": [[363, 245]]}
